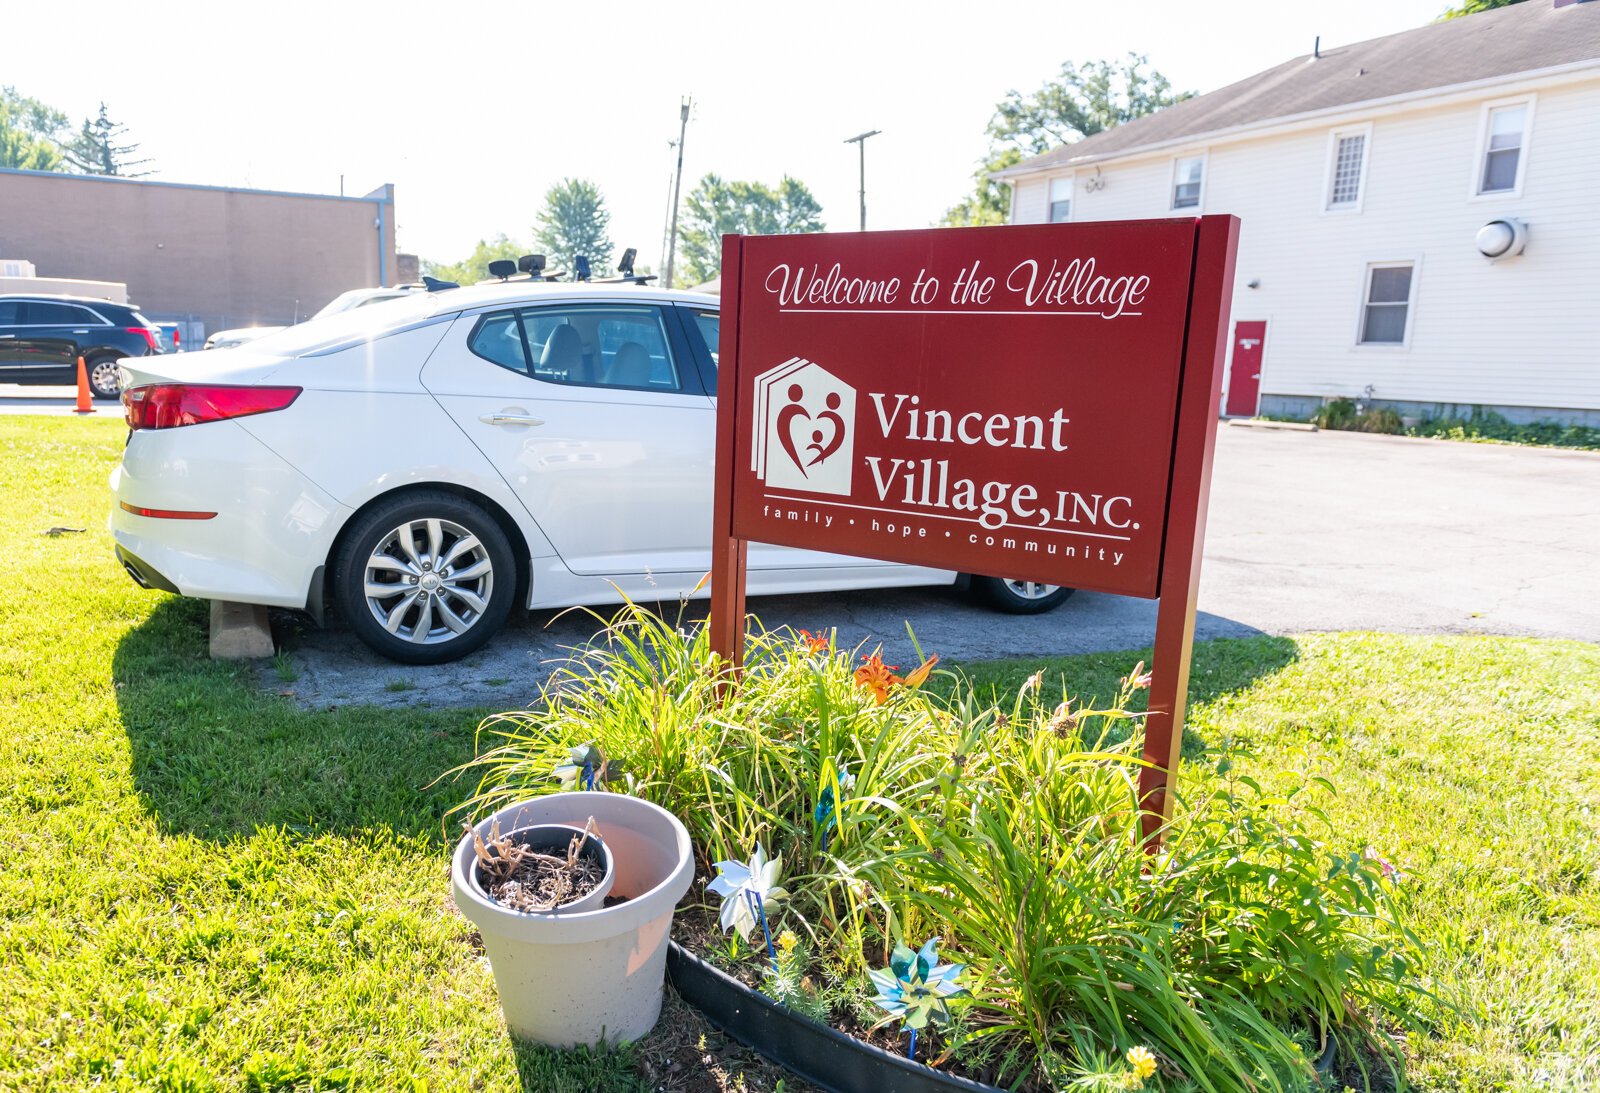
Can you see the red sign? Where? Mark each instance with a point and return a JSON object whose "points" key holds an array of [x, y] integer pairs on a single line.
{"points": [[997, 401], [1022, 402]]}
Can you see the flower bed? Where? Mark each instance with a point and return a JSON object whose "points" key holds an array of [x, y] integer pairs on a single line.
{"points": [[964, 881]]}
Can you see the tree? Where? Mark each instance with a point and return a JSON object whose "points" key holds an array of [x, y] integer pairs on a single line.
{"points": [[30, 133], [574, 222], [475, 267], [95, 151], [716, 208], [1473, 7], [1083, 101]]}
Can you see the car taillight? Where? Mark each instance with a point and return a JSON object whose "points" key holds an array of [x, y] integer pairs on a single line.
{"points": [[150, 338], [171, 405]]}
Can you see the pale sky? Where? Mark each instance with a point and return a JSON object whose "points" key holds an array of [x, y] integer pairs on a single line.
{"points": [[474, 110]]}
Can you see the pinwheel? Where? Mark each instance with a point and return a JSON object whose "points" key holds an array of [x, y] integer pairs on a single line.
{"points": [[916, 988]]}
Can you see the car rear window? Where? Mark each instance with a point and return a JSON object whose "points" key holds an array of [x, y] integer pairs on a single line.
{"points": [[356, 325]]}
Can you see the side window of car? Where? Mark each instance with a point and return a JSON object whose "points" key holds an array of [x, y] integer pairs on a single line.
{"points": [[498, 339], [10, 313], [45, 314], [709, 324], [602, 346]]}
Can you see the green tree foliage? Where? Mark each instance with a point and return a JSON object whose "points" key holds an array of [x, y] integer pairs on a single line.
{"points": [[95, 149], [475, 267], [1084, 100], [717, 207], [574, 222], [1473, 7], [30, 133]]}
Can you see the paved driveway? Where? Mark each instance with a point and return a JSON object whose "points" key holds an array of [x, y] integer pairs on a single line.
{"points": [[1308, 531]]}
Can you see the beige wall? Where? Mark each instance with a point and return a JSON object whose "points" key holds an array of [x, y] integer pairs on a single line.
{"points": [[227, 257]]}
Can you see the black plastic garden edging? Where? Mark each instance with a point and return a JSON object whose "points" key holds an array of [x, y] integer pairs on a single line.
{"points": [[819, 1054]]}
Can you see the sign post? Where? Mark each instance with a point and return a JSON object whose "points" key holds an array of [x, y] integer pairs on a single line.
{"points": [[1034, 403]]}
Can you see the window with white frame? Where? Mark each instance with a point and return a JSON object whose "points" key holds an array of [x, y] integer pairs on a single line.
{"points": [[1347, 170], [1187, 174], [1060, 200], [1386, 311], [1505, 133]]}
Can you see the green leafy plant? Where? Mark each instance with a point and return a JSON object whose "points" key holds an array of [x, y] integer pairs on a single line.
{"points": [[1011, 834]]}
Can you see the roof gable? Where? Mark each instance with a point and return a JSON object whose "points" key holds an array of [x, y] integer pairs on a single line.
{"points": [[1525, 37]]}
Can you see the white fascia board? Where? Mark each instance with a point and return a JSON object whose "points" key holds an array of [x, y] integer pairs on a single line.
{"points": [[1532, 80]]}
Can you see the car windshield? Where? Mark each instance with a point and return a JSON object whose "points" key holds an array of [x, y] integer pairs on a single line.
{"points": [[357, 324]]}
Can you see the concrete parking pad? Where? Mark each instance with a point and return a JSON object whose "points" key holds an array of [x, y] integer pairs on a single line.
{"points": [[1308, 532]]}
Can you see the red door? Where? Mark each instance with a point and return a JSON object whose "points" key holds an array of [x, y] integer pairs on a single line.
{"points": [[1244, 381]]}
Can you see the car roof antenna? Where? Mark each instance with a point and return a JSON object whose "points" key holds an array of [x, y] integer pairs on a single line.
{"points": [[433, 284]]}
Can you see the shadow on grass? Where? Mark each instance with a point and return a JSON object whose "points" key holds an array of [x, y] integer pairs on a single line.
{"points": [[216, 756]]}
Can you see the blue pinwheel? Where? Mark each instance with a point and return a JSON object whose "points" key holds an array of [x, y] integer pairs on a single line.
{"points": [[826, 814], [916, 988], [586, 764], [746, 889]]}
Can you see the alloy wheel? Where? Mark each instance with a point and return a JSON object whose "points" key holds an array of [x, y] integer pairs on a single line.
{"points": [[428, 581]]}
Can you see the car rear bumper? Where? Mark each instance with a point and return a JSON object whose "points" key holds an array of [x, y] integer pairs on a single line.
{"points": [[272, 529]]}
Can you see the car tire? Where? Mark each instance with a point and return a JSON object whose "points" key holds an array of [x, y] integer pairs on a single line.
{"points": [[1020, 597], [104, 383], [452, 568]]}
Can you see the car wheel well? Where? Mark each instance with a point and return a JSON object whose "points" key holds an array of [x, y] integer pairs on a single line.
{"points": [[519, 543]]}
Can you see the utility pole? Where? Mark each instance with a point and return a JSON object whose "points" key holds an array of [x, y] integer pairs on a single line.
{"points": [[860, 141], [677, 187]]}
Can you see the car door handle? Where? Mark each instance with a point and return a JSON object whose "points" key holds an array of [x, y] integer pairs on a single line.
{"points": [[510, 419], [7, 335], [80, 332]]}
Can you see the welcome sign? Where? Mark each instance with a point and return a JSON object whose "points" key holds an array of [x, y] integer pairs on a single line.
{"points": [[1033, 403], [997, 401]]}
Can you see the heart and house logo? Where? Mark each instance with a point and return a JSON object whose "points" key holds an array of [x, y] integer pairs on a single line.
{"points": [[804, 429]]}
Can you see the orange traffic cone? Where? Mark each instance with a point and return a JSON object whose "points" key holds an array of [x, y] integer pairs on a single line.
{"points": [[85, 405]]}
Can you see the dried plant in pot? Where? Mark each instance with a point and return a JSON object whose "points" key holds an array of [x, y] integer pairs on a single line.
{"points": [[573, 976], [543, 869]]}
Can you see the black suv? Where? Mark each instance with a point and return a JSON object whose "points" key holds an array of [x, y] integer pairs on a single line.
{"points": [[42, 337]]}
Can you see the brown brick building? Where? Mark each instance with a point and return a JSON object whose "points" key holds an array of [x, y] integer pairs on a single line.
{"points": [[212, 256]]}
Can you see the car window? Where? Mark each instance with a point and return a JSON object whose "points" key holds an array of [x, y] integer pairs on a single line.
{"points": [[601, 346], [498, 338], [10, 313], [49, 314], [709, 323]]}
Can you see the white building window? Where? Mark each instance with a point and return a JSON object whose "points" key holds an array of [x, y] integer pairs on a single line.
{"points": [[1347, 168], [1505, 132], [1060, 200], [1187, 175], [1386, 310]]}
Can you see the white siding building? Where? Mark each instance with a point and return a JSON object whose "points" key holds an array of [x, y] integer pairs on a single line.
{"points": [[1365, 177]]}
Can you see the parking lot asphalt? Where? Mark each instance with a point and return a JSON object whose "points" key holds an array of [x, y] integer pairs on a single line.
{"points": [[17, 399], [1308, 532]]}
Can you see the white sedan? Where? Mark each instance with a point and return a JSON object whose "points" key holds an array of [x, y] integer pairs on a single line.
{"points": [[428, 463]]}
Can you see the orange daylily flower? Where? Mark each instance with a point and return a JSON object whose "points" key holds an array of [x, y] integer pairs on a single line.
{"points": [[814, 643], [877, 677], [920, 676]]}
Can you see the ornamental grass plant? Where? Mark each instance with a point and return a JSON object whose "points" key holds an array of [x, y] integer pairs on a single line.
{"points": [[1008, 831]]}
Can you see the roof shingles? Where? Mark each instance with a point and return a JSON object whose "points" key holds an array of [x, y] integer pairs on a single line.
{"points": [[1522, 38]]}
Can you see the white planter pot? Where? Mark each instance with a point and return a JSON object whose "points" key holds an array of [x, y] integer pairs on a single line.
{"points": [[572, 978]]}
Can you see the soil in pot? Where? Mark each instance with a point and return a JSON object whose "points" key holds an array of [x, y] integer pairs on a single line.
{"points": [[542, 868]]}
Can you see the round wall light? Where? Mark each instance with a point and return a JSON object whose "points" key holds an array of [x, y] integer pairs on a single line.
{"points": [[1504, 238]]}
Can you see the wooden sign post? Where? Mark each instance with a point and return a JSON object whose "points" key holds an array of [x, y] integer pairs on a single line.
{"points": [[1033, 403]]}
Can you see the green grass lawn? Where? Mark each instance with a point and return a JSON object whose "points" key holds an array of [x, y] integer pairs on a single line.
{"points": [[202, 886]]}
